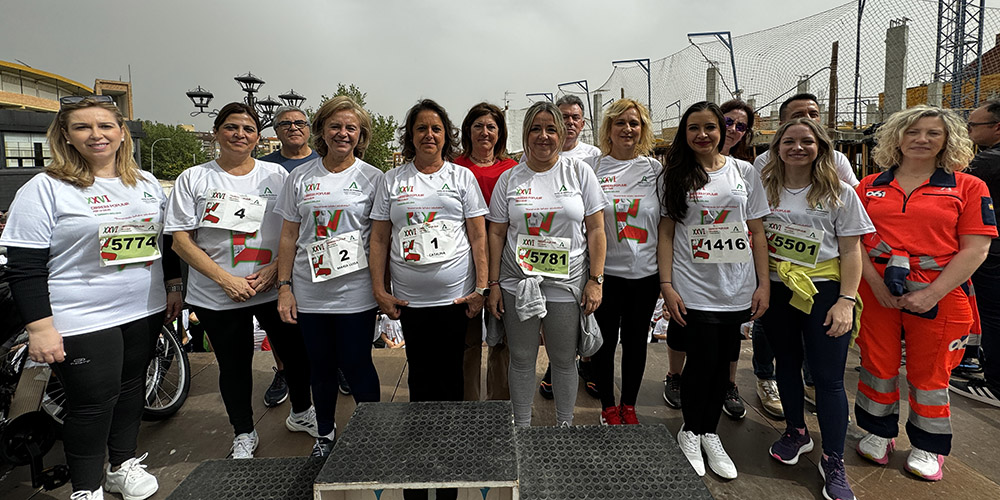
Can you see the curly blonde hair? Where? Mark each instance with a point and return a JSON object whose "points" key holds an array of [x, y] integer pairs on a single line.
{"points": [[957, 151], [69, 166], [825, 183], [645, 143]]}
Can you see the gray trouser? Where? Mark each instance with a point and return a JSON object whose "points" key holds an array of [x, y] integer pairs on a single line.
{"points": [[562, 328]]}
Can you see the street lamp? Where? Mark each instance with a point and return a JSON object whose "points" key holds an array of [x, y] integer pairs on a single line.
{"points": [[249, 84], [152, 158]]}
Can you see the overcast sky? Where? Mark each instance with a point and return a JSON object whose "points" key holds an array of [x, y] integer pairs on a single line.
{"points": [[458, 52]]}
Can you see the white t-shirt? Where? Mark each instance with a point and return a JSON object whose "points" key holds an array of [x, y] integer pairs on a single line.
{"points": [[406, 196], [239, 254], [630, 222], [734, 193], [844, 169], [849, 219], [329, 204], [581, 150], [550, 203], [85, 297]]}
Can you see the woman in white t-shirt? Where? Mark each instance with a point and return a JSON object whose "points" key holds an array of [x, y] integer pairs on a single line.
{"points": [[87, 276], [428, 218], [323, 280], [628, 178], [221, 214], [813, 236], [711, 277], [547, 247]]}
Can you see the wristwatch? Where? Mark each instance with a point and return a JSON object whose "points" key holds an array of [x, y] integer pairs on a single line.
{"points": [[282, 283], [485, 292], [599, 279]]}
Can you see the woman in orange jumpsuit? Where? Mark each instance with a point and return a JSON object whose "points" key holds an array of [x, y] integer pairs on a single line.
{"points": [[933, 229]]}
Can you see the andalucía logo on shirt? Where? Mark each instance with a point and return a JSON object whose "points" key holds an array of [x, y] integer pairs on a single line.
{"points": [[624, 209], [326, 222], [707, 217], [445, 187], [267, 193], [243, 253], [420, 217], [538, 222]]}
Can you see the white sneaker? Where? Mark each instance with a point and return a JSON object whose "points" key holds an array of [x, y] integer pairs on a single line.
{"points": [[691, 447], [97, 494], [131, 480], [876, 448], [767, 391], [718, 459], [925, 464], [244, 445], [303, 422]]}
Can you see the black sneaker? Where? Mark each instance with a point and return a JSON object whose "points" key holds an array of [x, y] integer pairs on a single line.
{"points": [[967, 367], [583, 368], [672, 390], [976, 388], [344, 388], [733, 405], [322, 447], [545, 388], [277, 393]]}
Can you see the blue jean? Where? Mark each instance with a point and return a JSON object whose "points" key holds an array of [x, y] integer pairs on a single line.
{"points": [[763, 357], [986, 281], [788, 329], [344, 342]]}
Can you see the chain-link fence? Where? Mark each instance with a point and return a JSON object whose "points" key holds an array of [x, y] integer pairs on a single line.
{"points": [[775, 63]]}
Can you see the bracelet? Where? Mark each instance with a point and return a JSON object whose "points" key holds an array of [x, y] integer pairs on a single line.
{"points": [[666, 282], [175, 288], [492, 283], [847, 297]]}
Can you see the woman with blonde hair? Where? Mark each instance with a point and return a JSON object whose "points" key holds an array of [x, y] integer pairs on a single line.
{"points": [[97, 337], [933, 225], [627, 177], [323, 281], [812, 234]]}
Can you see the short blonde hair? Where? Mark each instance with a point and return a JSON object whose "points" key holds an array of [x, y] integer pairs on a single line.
{"points": [[332, 107], [618, 108], [954, 156], [68, 165], [529, 118]]}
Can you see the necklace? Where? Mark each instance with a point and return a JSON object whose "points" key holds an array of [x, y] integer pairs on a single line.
{"points": [[798, 191], [477, 161]]}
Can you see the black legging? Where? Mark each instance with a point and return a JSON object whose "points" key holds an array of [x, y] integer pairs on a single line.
{"points": [[231, 334], [705, 379], [627, 303], [104, 376]]}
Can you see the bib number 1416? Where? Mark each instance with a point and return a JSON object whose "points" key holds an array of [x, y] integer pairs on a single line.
{"points": [[719, 243]]}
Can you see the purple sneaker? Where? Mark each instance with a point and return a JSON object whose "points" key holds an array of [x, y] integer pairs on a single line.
{"points": [[835, 485], [792, 444]]}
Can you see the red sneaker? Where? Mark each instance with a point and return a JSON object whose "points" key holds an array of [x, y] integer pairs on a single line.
{"points": [[627, 413], [610, 416]]}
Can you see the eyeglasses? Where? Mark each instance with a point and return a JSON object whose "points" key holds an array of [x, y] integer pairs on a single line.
{"points": [[973, 124], [740, 126], [76, 99], [285, 124]]}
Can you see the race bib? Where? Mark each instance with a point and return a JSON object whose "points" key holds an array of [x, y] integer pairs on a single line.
{"points": [[793, 243], [429, 242], [129, 242], [238, 212], [337, 256], [543, 255], [719, 243]]}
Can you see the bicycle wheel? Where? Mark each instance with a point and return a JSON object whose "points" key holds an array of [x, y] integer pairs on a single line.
{"points": [[168, 378]]}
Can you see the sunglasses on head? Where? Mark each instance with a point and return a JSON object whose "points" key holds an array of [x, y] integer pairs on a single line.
{"points": [[740, 126], [76, 99]]}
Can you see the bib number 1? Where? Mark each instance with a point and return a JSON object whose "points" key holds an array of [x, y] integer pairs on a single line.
{"points": [[429, 242], [129, 242]]}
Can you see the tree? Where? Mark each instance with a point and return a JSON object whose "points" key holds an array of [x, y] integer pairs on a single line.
{"points": [[382, 144], [178, 150]]}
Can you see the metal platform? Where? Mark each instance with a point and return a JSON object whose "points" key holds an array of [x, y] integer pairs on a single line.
{"points": [[603, 462], [394, 446], [258, 478]]}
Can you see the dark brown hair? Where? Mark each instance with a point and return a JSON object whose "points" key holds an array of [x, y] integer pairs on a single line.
{"points": [[235, 108], [741, 150], [450, 132], [682, 173], [481, 109]]}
